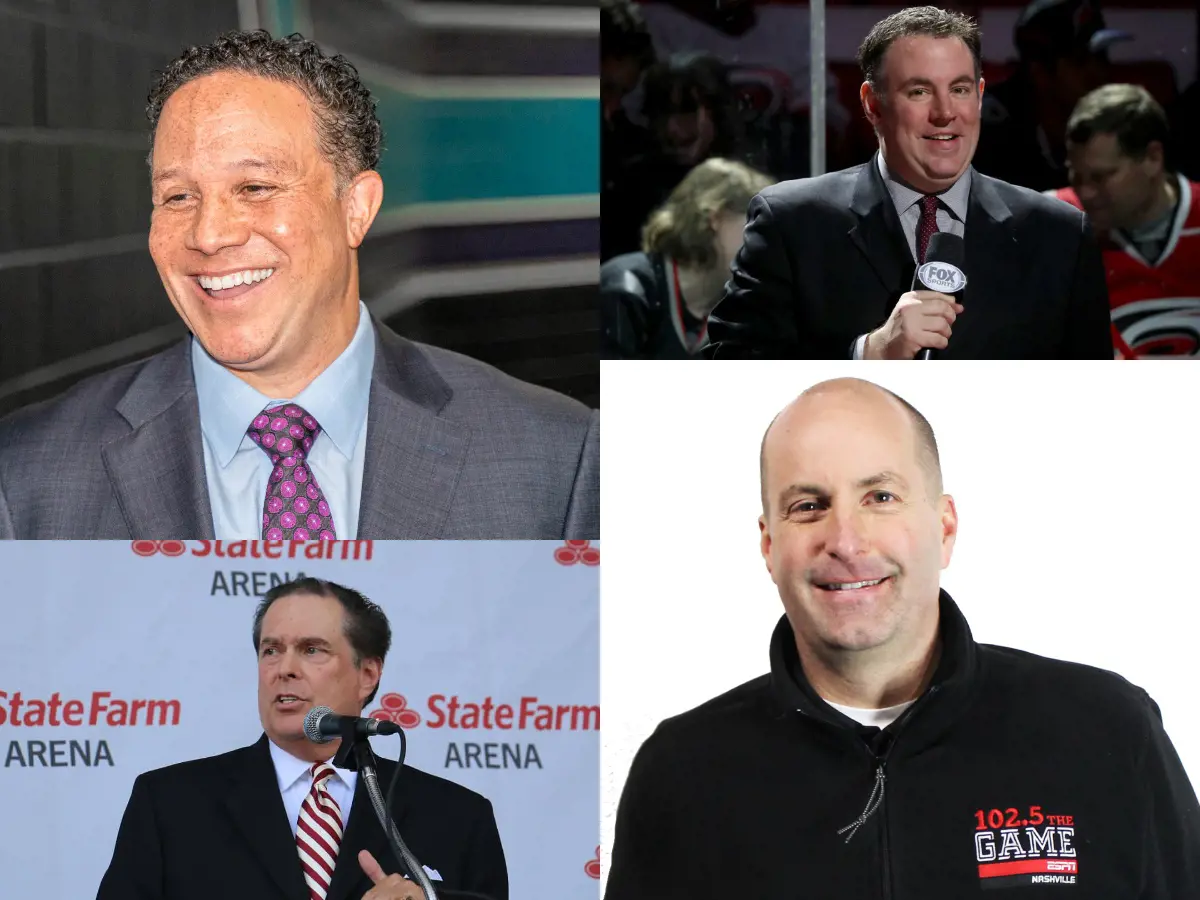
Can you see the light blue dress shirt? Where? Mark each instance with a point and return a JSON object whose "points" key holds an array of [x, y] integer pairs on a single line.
{"points": [[295, 781], [236, 469]]}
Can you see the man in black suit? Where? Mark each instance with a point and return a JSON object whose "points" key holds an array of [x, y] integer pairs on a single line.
{"points": [[827, 262], [252, 824]]}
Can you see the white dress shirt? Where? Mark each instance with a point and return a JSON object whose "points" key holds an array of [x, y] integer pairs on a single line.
{"points": [[295, 781]]}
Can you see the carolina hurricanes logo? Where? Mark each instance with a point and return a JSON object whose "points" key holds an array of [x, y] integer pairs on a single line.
{"points": [[394, 708], [577, 552], [166, 548], [593, 866], [1169, 326]]}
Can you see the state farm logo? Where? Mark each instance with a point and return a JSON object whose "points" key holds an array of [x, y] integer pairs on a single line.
{"points": [[394, 708], [349, 550], [494, 734], [577, 552], [452, 712], [592, 867], [29, 745], [166, 548]]}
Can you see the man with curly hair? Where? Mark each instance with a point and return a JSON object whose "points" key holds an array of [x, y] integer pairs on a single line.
{"points": [[289, 413]]}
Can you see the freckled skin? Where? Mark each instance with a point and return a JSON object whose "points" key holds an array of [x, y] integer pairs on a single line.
{"points": [[215, 213]]}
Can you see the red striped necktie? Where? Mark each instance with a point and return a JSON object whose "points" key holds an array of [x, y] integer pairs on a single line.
{"points": [[319, 833]]}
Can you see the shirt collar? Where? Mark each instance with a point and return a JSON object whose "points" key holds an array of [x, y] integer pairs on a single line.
{"points": [[954, 198], [337, 398], [290, 769]]}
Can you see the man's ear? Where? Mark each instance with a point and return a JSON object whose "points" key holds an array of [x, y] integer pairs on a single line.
{"points": [[870, 102], [370, 671], [362, 200]]}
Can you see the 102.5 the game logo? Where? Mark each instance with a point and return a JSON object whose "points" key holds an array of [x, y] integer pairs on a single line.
{"points": [[1016, 847]]}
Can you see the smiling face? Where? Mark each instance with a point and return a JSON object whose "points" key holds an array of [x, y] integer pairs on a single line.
{"points": [[854, 530], [305, 660], [242, 193], [926, 113]]}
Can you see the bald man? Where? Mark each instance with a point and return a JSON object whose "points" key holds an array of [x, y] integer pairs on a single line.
{"points": [[887, 754]]}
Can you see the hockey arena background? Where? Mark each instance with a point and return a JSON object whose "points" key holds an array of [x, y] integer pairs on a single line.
{"points": [[103, 624]]}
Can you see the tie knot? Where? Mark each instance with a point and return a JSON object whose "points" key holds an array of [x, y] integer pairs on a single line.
{"points": [[321, 772], [284, 432], [929, 204]]}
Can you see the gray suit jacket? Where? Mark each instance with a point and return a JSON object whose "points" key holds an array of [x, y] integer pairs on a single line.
{"points": [[455, 449]]}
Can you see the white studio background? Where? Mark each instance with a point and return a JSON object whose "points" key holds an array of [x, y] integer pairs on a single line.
{"points": [[1076, 489], [500, 619]]}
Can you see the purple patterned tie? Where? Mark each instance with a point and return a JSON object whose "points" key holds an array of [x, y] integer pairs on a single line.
{"points": [[926, 225], [295, 509]]}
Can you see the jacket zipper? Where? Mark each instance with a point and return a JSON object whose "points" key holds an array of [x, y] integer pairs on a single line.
{"points": [[881, 782], [883, 829], [881, 776]]}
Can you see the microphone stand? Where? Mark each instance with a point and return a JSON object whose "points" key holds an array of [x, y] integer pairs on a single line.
{"points": [[364, 761]]}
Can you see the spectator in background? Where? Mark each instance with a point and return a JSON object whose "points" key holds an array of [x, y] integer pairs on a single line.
{"points": [[1117, 143], [770, 71], [693, 114], [1063, 53], [626, 51], [655, 304]]}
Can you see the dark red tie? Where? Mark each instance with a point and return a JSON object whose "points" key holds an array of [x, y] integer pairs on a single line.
{"points": [[926, 225]]}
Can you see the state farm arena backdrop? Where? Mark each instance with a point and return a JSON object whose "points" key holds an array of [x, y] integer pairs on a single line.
{"points": [[118, 658]]}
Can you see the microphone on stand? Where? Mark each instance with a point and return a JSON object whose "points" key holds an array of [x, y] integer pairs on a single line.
{"points": [[322, 725], [942, 271]]}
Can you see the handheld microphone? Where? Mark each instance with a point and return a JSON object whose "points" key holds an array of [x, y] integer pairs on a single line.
{"points": [[942, 270], [322, 725]]}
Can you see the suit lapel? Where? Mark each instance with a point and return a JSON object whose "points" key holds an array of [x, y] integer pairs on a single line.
{"points": [[878, 233], [414, 455], [993, 260], [363, 832], [256, 809], [157, 470]]}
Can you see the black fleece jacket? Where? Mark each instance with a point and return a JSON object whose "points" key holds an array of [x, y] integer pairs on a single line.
{"points": [[1011, 771]]}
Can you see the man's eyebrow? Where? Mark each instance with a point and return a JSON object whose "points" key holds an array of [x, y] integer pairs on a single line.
{"points": [[878, 479], [921, 81], [250, 162], [304, 641], [795, 490], [881, 478]]}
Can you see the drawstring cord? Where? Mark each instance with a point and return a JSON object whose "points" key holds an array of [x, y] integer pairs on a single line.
{"points": [[873, 803]]}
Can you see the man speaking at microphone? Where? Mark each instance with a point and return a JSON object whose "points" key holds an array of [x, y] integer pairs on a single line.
{"points": [[277, 819], [827, 263]]}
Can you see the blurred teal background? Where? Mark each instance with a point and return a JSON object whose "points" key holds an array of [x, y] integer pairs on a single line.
{"points": [[488, 239]]}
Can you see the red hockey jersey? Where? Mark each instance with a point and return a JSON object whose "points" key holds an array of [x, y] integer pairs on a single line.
{"points": [[1155, 308]]}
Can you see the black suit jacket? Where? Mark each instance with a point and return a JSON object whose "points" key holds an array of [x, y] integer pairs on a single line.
{"points": [[824, 260], [216, 828]]}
